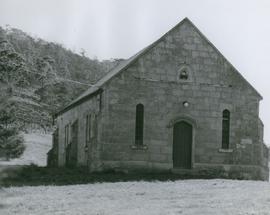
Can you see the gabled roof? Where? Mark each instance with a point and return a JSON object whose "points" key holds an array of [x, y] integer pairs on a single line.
{"points": [[96, 88], [121, 66]]}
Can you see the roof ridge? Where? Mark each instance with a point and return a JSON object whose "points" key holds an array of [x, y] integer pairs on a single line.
{"points": [[149, 47], [119, 68]]}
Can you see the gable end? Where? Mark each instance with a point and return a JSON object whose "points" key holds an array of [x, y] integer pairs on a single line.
{"points": [[127, 63]]}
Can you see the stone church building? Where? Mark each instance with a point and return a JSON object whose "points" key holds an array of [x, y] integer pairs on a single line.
{"points": [[178, 105]]}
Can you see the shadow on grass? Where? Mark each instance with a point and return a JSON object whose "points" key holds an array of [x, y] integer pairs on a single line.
{"points": [[2, 206], [33, 176]]}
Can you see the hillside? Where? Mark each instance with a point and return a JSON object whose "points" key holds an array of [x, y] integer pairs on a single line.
{"points": [[41, 77]]}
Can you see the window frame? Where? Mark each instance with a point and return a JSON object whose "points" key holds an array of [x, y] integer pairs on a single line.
{"points": [[187, 77], [139, 125], [67, 133], [88, 128], [226, 118]]}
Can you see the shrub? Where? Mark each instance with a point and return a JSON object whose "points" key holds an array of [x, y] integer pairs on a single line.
{"points": [[11, 142]]}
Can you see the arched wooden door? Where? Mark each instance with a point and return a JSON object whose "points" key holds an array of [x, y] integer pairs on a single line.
{"points": [[182, 145]]}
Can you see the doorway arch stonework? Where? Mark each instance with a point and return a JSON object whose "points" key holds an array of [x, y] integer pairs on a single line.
{"points": [[170, 126]]}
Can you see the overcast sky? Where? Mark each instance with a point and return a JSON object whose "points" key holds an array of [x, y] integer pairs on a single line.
{"points": [[240, 29]]}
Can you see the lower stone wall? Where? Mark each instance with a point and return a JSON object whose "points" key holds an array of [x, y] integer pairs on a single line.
{"points": [[246, 172], [134, 166]]}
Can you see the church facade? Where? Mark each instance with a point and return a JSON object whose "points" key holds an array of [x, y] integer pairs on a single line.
{"points": [[178, 105]]}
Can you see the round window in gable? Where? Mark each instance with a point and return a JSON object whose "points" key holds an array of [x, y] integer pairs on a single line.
{"points": [[183, 75]]}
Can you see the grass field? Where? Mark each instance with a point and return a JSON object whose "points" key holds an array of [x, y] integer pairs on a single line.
{"points": [[216, 196], [38, 190]]}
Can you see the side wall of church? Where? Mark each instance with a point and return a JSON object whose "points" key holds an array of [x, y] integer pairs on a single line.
{"points": [[87, 150]]}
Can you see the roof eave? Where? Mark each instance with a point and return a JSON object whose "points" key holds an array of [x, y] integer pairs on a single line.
{"points": [[83, 99], [143, 52]]}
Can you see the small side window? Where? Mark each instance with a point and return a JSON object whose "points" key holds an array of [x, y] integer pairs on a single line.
{"points": [[94, 125], [66, 135], [88, 128]]}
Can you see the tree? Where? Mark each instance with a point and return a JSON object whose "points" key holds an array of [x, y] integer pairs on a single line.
{"points": [[10, 140], [42, 77], [13, 70], [45, 71], [13, 73]]}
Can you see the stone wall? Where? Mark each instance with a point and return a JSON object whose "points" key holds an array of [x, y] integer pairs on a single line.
{"points": [[213, 85], [153, 80], [86, 152]]}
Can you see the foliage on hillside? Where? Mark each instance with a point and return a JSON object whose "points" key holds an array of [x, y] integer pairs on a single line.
{"points": [[42, 77], [11, 142]]}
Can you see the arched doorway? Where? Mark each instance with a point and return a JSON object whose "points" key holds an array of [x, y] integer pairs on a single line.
{"points": [[182, 145]]}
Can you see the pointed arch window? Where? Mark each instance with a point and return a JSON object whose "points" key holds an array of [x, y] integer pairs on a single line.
{"points": [[139, 124], [183, 74], [225, 129]]}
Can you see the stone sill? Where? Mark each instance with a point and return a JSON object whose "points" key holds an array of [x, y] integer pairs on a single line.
{"points": [[135, 147], [225, 150]]}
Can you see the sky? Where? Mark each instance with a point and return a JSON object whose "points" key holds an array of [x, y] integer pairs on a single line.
{"points": [[119, 28]]}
